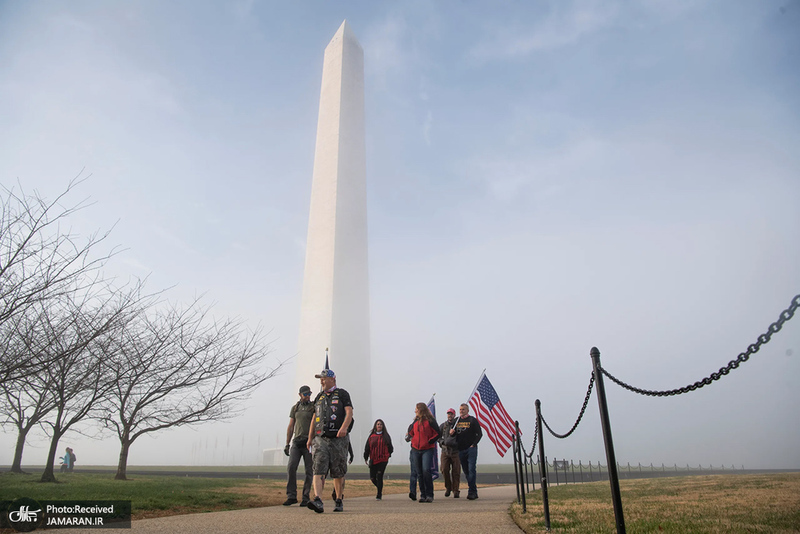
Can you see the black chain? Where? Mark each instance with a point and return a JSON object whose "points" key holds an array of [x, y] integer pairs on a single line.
{"points": [[580, 416], [533, 446], [774, 328]]}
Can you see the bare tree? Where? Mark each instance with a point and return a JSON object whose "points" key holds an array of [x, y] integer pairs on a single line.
{"points": [[27, 399], [175, 367], [79, 328], [38, 258]]}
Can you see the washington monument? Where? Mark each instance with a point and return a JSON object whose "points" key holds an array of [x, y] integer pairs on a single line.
{"points": [[334, 312]]}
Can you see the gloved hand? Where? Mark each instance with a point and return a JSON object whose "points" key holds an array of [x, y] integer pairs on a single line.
{"points": [[431, 441], [286, 450]]}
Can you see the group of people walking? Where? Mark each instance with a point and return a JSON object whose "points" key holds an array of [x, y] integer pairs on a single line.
{"points": [[318, 432], [458, 439]]}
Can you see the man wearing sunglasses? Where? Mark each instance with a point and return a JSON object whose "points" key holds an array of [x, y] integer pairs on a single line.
{"points": [[299, 422]]}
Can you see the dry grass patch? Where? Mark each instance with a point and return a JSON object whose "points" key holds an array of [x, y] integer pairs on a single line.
{"points": [[702, 504]]}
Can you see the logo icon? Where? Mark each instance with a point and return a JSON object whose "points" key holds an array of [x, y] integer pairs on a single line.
{"points": [[25, 515]]}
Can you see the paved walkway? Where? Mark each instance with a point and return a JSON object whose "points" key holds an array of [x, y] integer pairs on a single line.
{"points": [[395, 514]]}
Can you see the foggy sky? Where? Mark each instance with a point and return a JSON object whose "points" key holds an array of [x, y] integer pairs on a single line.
{"points": [[542, 178]]}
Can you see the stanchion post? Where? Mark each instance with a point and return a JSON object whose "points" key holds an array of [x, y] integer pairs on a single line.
{"points": [[611, 458], [525, 461], [542, 466], [519, 453], [514, 448]]}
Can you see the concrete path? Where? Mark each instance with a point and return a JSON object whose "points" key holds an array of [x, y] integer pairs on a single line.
{"points": [[395, 514]]}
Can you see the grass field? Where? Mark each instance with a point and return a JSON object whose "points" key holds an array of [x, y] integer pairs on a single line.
{"points": [[702, 504], [158, 496], [699, 504]]}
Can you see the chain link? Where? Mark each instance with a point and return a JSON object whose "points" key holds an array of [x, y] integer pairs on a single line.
{"points": [[774, 328], [580, 416]]}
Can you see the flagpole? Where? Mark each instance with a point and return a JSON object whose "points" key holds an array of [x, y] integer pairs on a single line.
{"points": [[477, 384]]}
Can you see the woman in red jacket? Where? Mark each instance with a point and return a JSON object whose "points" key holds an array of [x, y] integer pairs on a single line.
{"points": [[424, 434], [377, 451]]}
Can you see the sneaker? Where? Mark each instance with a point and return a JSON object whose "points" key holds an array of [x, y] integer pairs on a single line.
{"points": [[377, 497], [412, 496], [339, 507], [447, 493], [304, 503], [472, 496], [290, 501], [316, 505]]}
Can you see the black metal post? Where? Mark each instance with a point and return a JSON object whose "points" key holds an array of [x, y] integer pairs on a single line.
{"points": [[519, 453], [514, 448], [526, 459], [555, 468], [613, 476], [542, 465]]}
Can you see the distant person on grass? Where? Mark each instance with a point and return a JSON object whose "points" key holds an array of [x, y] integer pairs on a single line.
{"points": [[300, 416], [377, 451], [424, 434], [68, 461], [333, 412]]}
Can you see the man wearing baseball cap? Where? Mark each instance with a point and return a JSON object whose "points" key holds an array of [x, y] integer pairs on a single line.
{"points": [[333, 412], [300, 417], [451, 466]]}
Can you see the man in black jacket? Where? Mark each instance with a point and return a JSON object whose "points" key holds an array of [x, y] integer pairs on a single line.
{"points": [[468, 433]]}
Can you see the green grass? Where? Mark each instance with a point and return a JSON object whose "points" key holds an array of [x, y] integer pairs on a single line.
{"points": [[701, 504], [150, 495]]}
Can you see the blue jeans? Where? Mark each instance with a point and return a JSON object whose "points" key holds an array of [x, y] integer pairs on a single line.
{"points": [[423, 460], [468, 458], [413, 482]]}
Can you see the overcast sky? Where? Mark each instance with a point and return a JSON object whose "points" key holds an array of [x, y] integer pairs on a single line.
{"points": [[543, 177]]}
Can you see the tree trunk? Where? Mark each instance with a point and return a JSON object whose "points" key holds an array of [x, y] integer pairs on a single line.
{"points": [[48, 475], [122, 467], [16, 466]]}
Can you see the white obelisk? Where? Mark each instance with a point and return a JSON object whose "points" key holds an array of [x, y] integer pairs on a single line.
{"points": [[335, 304]]}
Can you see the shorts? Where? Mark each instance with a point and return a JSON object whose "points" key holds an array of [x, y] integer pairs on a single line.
{"points": [[330, 454]]}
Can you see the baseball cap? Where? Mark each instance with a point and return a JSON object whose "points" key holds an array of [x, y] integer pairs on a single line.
{"points": [[305, 389], [326, 373], [450, 410]]}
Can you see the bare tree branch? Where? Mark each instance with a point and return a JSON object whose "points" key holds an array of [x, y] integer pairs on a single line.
{"points": [[39, 259], [176, 366]]}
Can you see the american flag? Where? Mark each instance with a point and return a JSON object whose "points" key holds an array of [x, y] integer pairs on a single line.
{"points": [[491, 415]]}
